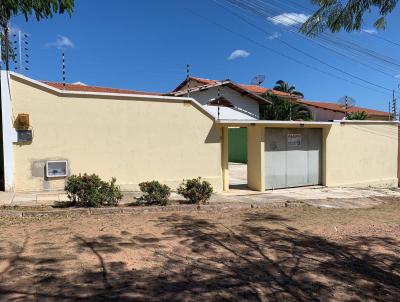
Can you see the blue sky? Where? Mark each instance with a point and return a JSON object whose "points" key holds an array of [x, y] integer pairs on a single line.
{"points": [[145, 45]]}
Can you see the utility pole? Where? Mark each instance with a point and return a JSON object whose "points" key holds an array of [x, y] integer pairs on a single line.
{"points": [[346, 105]]}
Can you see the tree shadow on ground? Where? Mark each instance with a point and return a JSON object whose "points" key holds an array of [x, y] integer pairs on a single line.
{"points": [[263, 261]]}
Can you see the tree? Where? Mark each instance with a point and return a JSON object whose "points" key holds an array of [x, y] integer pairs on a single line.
{"points": [[11, 52], [286, 87], [357, 115], [281, 109], [348, 15], [41, 9]]}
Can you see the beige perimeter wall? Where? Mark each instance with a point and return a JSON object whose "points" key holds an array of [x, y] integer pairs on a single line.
{"points": [[133, 140], [361, 154]]}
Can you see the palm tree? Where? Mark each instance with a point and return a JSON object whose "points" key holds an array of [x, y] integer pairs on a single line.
{"points": [[281, 109], [357, 115], [348, 15], [41, 9], [288, 88]]}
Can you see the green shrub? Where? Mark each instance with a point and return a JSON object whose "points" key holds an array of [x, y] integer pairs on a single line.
{"points": [[90, 191], [154, 193], [195, 190]]}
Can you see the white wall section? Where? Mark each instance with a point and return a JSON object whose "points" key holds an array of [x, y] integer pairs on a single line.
{"points": [[9, 133]]}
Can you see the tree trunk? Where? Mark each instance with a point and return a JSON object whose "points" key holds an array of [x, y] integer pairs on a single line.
{"points": [[7, 46]]}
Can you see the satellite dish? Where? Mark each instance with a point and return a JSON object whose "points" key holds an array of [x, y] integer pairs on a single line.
{"points": [[258, 80], [347, 102]]}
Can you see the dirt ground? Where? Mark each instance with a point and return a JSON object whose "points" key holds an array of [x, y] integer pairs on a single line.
{"points": [[298, 253]]}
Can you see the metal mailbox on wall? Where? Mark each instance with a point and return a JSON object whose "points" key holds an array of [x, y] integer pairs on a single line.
{"points": [[24, 136]]}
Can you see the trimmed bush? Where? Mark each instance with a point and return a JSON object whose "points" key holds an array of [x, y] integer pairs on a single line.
{"points": [[195, 190], [154, 193], [90, 191]]}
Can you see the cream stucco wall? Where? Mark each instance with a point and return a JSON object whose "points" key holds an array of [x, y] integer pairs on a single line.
{"points": [[361, 154], [255, 158], [131, 138], [354, 153]]}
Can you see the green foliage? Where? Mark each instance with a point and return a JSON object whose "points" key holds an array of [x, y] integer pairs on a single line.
{"points": [[154, 193], [288, 88], [90, 191], [41, 9], [195, 190], [281, 109], [348, 15], [12, 53], [357, 115]]}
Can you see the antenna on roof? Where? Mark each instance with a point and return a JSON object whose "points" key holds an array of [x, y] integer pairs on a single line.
{"points": [[258, 80], [346, 103], [63, 68]]}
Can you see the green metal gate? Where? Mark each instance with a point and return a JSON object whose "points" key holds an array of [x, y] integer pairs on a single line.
{"points": [[237, 145]]}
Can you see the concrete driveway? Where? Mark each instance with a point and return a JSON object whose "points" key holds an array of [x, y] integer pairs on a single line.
{"points": [[330, 197]]}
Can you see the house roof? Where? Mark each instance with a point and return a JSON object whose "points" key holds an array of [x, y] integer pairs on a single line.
{"points": [[257, 90], [262, 90], [87, 88], [338, 108], [200, 80], [227, 83], [249, 88]]}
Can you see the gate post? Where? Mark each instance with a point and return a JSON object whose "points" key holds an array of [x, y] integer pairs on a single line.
{"points": [[224, 159], [255, 158]]}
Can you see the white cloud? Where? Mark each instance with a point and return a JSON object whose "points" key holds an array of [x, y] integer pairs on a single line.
{"points": [[289, 19], [238, 53], [372, 31], [274, 36], [61, 43]]}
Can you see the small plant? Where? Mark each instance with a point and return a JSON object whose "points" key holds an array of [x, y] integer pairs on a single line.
{"points": [[90, 191], [196, 190], [154, 193]]}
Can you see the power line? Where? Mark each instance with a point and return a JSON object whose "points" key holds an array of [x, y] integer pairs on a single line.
{"points": [[284, 55], [316, 42], [258, 9], [310, 56]]}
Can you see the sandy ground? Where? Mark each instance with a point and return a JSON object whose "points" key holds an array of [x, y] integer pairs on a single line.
{"points": [[298, 253]]}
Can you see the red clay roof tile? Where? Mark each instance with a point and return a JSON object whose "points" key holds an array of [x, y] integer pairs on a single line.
{"points": [[86, 88], [339, 108]]}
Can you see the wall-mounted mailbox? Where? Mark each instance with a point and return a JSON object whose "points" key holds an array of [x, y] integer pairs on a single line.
{"points": [[24, 136], [56, 168]]}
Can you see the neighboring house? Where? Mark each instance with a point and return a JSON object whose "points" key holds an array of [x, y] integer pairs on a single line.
{"points": [[323, 111], [234, 101], [239, 101]]}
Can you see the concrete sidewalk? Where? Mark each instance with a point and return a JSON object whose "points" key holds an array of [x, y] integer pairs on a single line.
{"points": [[316, 196], [47, 198]]}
